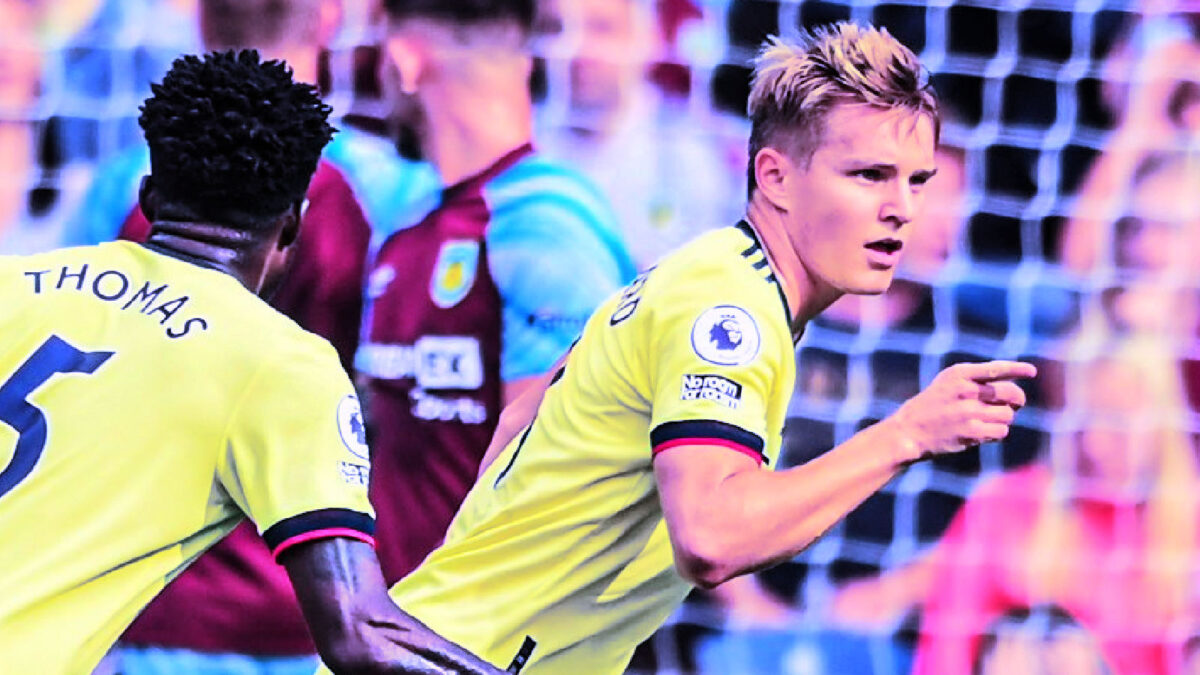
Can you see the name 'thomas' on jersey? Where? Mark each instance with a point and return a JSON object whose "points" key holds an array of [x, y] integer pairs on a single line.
{"points": [[559, 560], [146, 405]]}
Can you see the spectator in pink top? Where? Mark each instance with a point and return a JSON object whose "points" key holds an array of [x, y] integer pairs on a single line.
{"points": [[1106, 529]]}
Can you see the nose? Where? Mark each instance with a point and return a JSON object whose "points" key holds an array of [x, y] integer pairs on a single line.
{"points": [[899, 206]]}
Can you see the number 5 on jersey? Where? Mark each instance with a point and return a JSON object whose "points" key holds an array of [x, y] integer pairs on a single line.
{"points": [[55, 356]]}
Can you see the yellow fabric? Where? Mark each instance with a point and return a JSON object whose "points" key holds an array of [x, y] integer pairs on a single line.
{"points": [[212, 405], [563, 538]]}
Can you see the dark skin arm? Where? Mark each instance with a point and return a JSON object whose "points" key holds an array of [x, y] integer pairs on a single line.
{"points": [[356, 626]]}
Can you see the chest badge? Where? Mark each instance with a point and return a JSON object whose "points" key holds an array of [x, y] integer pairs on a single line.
{"points": [[454, 273]]}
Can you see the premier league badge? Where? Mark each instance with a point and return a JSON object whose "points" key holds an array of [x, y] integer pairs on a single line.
{"points": [[352, 428], [454, 272], [726, 335]]}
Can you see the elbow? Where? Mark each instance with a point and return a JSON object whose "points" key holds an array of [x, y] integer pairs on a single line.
{"points": [[705, 564]]}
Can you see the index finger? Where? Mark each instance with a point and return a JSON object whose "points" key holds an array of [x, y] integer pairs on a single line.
{"points": [[999, 370]]}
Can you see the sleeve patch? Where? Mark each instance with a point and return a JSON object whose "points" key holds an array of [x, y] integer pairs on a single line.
{"points": [[351, 427], [706, 432], [715, 388], [320, 524], [726, 335]]}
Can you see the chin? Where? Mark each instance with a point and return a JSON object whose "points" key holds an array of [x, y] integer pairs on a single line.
{"points": [[868, 284]]}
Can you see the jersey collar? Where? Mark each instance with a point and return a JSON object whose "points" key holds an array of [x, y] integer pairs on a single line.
{"points": [[796, 327]]}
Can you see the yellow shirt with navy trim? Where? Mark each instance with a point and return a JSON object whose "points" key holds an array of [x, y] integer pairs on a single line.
{"points": [[147, 405], [559, 560]]}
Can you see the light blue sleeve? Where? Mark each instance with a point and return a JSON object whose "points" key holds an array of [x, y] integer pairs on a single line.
{"points": [[111, 196], [554, 259], [394, 192]]}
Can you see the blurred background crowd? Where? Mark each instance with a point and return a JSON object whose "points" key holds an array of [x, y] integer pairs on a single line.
{"points": [[1063, 228]]}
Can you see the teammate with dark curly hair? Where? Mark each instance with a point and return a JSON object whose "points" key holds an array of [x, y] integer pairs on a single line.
{"points": [[150, 400], [246, 163]]}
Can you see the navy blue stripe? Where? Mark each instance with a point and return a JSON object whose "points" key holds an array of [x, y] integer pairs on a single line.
{"points": [[672, 431], [749, 232], [323, 519]]}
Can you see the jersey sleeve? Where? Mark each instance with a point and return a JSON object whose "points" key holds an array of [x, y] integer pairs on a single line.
{"points": [[296, 459], [716, 364], [553, 262]]}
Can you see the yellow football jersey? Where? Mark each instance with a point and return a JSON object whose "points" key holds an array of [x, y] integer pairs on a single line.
{"points": [[559, 560], [146, 404]]}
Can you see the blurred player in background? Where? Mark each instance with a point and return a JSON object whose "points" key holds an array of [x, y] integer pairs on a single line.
{"points": [[660, 162], [644, 470], [150, 400], [470, 302], [38, 192]]}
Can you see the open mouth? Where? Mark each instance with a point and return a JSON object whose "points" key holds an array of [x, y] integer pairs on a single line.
{"points": [[888, 246]]}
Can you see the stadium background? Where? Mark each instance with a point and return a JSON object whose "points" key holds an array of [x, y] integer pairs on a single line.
{"points": [[1030, 87]]}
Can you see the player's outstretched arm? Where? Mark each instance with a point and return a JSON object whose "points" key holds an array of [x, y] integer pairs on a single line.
{"points": [[356, 626], [726, 517]]}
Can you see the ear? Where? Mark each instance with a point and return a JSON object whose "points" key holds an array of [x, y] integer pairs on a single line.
{"points": [[773, 171], [148, 199], [406, 56], [289, 231]]}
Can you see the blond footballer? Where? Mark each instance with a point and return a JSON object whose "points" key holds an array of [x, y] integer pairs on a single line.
{"points": [[644, 467]]}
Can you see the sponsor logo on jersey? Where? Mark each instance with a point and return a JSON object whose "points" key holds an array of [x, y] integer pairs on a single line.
{"points": [[355, 474], [454, 272], [713, 388], [435, 361], [726, 335], [352, 428], [426, 406]]}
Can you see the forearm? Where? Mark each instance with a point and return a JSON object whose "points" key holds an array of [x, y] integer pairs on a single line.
{"points": [[756, 519], [356, 626]]}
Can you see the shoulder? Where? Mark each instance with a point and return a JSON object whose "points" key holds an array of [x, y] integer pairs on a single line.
{"points": [[390, 188], [708, 288], [1010, 500], [713, 266], [550, 211], [537, 185]]}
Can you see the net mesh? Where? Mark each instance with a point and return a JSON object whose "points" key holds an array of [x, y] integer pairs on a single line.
{"points": [[1030, 113]]}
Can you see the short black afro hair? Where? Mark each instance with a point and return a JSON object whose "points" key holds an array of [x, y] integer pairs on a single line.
{"points": [[231, 134]]}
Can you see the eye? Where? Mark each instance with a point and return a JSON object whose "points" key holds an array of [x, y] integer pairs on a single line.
{"points": [[869, 175], [919, 180]]}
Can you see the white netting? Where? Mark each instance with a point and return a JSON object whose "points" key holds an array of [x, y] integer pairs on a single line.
{"points": [[1035, 89]]}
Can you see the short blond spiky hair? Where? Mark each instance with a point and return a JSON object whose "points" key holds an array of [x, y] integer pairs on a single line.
{"points": [[797, 83]]}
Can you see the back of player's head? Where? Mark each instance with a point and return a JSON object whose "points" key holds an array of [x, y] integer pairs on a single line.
{"points": [[263, 24], [233, 139], [796, 84], [466, 13]]}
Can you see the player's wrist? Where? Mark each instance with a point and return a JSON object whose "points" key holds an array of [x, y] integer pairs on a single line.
{"points": [[903, 440]]}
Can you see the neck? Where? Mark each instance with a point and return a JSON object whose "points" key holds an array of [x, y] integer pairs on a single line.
{"points": [[474, 121], [806, 296], [220, 248]]}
